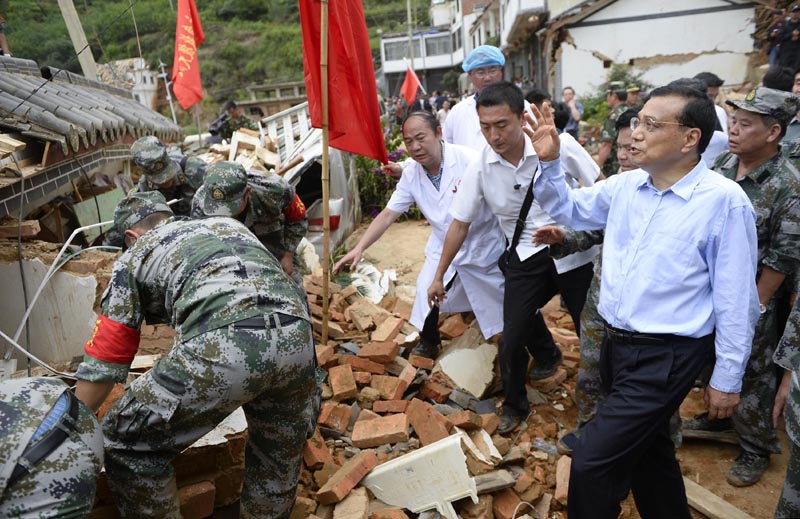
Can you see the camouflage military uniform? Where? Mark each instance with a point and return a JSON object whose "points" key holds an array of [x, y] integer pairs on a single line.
{"points": [[188, 179], [773, 189], [787, 356], [609, 134], [63, 483], [274, 213], [243, 339], [231, 125]]}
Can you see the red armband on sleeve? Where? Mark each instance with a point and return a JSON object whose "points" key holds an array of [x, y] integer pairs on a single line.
{"points": [[112, 342], [296, 211]]}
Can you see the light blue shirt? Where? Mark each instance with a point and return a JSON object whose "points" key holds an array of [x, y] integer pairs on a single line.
{"points": [[680, 261]]}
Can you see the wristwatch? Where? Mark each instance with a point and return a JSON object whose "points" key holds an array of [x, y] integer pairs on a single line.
{"points": [[762, 308]]}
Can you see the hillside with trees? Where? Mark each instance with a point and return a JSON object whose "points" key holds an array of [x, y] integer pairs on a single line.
{"points": [[247, 41]]}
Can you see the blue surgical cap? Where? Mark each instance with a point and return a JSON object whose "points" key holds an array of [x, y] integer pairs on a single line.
{"points": [[483, 56]]}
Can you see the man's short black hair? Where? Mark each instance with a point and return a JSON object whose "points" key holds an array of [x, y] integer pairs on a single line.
{"points": [[698, 113], [624, 120], [230, 105], [536, 96], [622, 95], [501, 93], [691, 82], [710, 79], [560, 114], [779, 78]]}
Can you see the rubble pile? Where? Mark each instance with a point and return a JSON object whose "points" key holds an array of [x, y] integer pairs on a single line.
{"points": [[387, 413], [247, 147]]}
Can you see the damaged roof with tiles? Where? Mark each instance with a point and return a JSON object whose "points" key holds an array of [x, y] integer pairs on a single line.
{"points": [[74, 112]]}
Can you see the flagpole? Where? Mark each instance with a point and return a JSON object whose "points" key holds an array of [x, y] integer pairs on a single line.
{"points": [[199, 134], [326, 226]]}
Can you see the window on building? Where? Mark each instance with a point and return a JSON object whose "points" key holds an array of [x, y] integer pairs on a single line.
{"points": [[457, 40], [397, 50], [437, 46]]}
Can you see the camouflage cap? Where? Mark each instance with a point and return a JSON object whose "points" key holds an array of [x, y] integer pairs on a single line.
{"points": [[151, 155], [223, 189], [633, 88], [136, 206], [768, 101]]}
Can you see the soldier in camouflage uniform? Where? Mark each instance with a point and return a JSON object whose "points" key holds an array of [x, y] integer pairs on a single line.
{"points": [[243, 339], [174, 176], [236, 119], [51, 450], [773, 185], [787, 403], [267, 205], [607, 157]]}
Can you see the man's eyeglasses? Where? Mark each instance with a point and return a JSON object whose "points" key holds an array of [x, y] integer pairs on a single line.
{"points": [[485, 71], [651, 124]]}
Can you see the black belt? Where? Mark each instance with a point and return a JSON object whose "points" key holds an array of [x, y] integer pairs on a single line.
{"points": [[625, 337], [266, 321], [49, 442]]}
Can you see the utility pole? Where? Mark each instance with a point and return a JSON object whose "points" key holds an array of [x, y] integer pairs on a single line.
{"points": [[76, 34], [410, 35]]}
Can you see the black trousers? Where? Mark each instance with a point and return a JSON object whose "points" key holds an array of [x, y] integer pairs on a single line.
{"points": [[626, 446], [530, 284]]}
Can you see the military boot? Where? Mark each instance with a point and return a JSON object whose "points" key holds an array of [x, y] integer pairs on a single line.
{"points": [[748, 469]]}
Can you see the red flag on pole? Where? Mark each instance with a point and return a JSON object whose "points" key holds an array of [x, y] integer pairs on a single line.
{"points": [[186, 68], [354, 117], [410, 86]]}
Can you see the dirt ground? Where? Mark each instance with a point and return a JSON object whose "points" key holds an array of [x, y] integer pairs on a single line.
{"points": [[401, 248]]}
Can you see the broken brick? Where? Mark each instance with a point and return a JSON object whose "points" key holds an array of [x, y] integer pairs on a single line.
{"points": [[452, 327], [197, 500], [546, 385], [342, 382], [303, 507], [386, 385], [490, 422], [505, 503], [466, 420], [315, 452], [421, 362], [382, 352], [366, 414], [387, 330], [426, 425], [362, 364], [406, 377], [562, 479], [435, 391], [335, 416], [367, 397], [347, 477], [324, 353], [390, 406], [389, 513], [386, 429], [523, 483], [362, 377], [403, 309], [354, 506]]}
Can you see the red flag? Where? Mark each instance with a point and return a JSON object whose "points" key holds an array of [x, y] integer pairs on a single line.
{"points": [[410, 86], [353, 114], [186, 68]]}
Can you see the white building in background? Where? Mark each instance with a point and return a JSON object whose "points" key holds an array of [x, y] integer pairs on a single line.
{"points": [[664, 39], [133, 74], [554, 43]]}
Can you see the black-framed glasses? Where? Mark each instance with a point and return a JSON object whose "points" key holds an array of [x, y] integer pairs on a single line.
{"points": [[651, 124]]}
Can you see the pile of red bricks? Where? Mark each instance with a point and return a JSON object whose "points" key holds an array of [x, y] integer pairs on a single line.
{"points": [[378, 405]]}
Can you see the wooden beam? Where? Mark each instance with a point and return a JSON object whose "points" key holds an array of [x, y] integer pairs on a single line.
{"points": [[710, 504], [9, 145]]}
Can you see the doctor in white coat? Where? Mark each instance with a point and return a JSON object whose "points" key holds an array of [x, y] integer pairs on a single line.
{"points": [[431, 181]]}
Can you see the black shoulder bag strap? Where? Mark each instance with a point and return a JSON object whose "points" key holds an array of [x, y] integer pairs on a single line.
{"points": [[523, 213]]}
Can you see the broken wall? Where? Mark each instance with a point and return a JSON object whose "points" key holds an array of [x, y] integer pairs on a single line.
{"points": [[666, 39], [63, 318]]}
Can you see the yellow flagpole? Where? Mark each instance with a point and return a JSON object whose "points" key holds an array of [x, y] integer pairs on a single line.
{"points": [[326, 225]]}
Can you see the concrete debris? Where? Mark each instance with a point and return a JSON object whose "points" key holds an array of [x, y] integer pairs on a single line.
{"points": [[470, 368]]}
